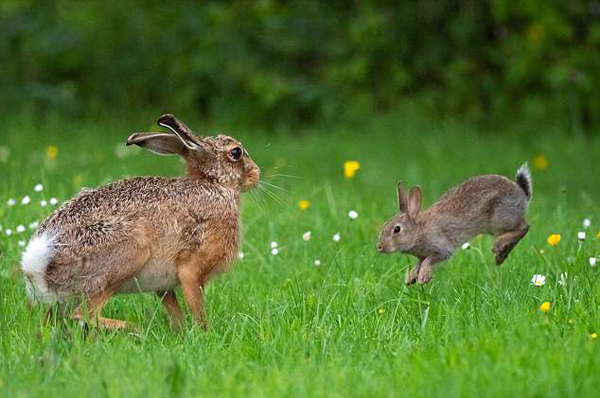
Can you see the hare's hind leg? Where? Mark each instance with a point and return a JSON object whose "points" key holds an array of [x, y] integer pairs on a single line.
{"points": [[91, 310], [172, 307], [507, 241]]}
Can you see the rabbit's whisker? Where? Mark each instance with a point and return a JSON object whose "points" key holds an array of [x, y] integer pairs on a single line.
{"points": [[273, 185], [272, 195]]}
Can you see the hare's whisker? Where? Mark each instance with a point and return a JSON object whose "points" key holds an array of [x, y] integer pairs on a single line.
{"points": [[272, 195], [273, 185]]}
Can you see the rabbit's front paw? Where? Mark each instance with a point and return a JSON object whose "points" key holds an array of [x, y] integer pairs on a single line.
{"points": [[411, 276], [424, 275]]}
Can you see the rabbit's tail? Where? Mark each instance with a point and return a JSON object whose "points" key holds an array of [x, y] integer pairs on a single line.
{"points": [[35, 261], [524, 181]]}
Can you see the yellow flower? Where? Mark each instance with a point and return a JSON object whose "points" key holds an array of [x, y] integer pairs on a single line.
{"points": [[51, 152], [540, 162], [594, 336], [598, 235], [303, 204], [545, 307], [553, 239], [350, 168], [381, 311]]}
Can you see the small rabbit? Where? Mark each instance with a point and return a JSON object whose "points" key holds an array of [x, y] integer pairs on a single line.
{"points": [[146, 234], [490, 204]]}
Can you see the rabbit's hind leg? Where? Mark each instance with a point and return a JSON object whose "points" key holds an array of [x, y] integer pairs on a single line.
{"points": [[507, 241]]}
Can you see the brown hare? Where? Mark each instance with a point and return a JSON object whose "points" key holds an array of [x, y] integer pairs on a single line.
{"points": [[490, 204], [146, 234]]}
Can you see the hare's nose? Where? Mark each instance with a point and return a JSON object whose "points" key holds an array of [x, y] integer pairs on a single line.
{"points": [[380, 247]]}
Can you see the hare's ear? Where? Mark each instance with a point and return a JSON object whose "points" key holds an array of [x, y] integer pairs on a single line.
{"points": [[185, 134], [402, 198], [414, 202], [159, 143]]}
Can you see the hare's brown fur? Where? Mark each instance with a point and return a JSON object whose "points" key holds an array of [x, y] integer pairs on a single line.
{"points": [[489, 204], [152, 233]]}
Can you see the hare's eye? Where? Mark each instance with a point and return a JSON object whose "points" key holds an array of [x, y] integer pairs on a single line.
{"points": [[397, 229], [236, 153]]}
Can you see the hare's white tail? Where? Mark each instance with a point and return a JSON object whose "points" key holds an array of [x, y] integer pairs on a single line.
{"points": [[36, 258], [523, 179]]}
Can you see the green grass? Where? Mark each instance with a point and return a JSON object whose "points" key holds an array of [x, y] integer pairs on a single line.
{"points": [[281, 326]]}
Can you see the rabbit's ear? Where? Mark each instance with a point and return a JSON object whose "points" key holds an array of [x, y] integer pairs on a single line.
{"points": [[159, 143], [414, 202], [402, 198], [185, 134]]}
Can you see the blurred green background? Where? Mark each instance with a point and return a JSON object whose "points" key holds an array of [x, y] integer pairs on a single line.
{"points": [[297, 63]]}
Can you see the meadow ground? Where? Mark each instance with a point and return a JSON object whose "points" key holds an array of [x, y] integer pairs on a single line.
{"points": [[281, 326]]}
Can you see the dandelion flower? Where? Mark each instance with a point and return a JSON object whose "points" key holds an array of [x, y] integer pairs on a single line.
{"points": [[53, 201], [44, 203], [587, 223], [593, 261], [553, 239], [538, 280], [8, 232], [38, 188], [581, 235], [466, 245], [275, 251], [598, 235], [336, 237], [20, 228], [241, 255], [274, 245], [21, 243], [26, 200], [317, 263], [381, 310], [11, 202], [303, 204], [51, 152], [540, 162], [350, 168], [306, 236], [593, 336], [545, 307], [353, 215]]}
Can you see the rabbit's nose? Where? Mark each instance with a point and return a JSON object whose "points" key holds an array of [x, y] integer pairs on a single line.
{"points": [[380, 247]]}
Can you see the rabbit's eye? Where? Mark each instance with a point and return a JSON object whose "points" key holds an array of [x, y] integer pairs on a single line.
{"points": [[397, 229], [236, 153]]}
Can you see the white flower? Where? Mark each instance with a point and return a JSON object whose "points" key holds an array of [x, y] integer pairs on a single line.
{"points": [[306, 236], [581, 235], [317, 262], [241, 255], [21, 228], [25, 200], [11, 202], [592, 261], [274, 245], [466, 245], [275, 251], [44, 203], [337, 237], [563, 279], [34, 225], [38, 188], [587, 223], [21, 243], [53, 201], [8, 232], [538, 280], [353, 215]]}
